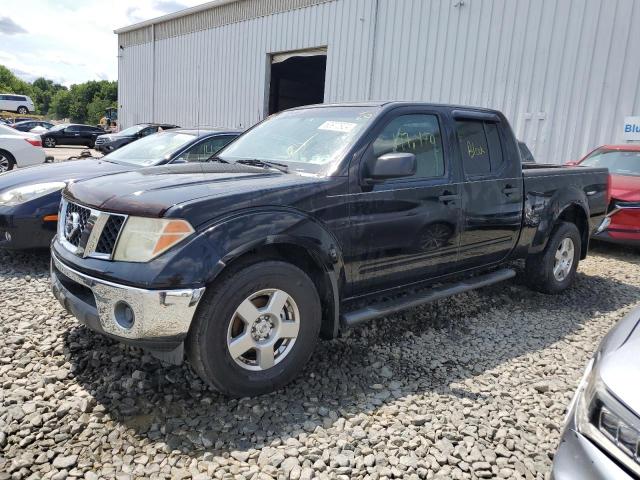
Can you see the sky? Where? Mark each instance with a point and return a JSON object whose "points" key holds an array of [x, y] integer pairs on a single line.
{"points": [[71, 41]]}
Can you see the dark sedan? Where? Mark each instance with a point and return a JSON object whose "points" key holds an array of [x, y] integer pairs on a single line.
{"points": [[112, 141], [71, 134], [29, 197], [28, 125]]}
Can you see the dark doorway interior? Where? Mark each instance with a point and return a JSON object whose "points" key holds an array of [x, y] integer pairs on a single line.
{"points": [[297, 81]]}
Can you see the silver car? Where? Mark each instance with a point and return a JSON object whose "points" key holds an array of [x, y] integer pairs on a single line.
{"points": [[601, 439]]}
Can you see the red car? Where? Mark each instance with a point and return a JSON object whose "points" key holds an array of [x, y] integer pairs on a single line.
{"points": [[622, 224]]}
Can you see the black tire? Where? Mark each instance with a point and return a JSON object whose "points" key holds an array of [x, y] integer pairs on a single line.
{"points": [[207, 348], [49, 142], [539, 267], [7, 161], [23, 110]]}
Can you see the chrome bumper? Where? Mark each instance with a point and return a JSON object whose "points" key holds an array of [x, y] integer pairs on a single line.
{"points": [[160, 317]]}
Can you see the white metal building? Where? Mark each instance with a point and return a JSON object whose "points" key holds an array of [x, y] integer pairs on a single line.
{"points": [[565, 72]]}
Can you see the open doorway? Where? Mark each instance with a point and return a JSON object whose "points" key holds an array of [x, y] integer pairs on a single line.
{"points": [[297, 78]]}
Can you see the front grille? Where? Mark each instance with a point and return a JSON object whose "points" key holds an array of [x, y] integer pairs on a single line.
{"points": [[107, 242], [88, 232], [75, 223], [100, 141]]}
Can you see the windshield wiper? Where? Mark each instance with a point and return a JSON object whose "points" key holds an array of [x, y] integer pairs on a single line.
{"points": [[264, 163]]}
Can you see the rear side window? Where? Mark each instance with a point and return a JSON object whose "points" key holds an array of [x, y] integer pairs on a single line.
{"points": [[480, 147], [418, 134]]}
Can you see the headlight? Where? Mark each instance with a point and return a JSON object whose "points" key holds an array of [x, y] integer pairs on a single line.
{"points": [[143, 239], [23, 194], [607, 422]]}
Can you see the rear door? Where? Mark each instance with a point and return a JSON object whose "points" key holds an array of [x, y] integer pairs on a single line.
{"points": [[491, 190], [405, 230], [70, 135]]}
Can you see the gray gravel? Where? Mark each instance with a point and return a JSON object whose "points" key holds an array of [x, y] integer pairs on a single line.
{"points": [[470, 387]]}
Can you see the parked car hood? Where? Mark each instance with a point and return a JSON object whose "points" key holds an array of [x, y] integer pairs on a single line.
{"points": [[619, 367], [154, 190], [625, 188], [59, 172]]}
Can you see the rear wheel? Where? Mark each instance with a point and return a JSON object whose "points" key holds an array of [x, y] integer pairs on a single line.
{"points": [[7, 162], [554, 269], [255, 329], [23, 110]]}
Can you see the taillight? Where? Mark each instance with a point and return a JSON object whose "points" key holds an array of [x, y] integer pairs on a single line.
{"points": [[35, 142]]}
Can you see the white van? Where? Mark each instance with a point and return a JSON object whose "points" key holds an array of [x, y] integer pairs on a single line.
{"points": [[16, 103]]}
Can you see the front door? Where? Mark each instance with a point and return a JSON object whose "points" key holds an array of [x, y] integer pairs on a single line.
{"points": [[491, 192], [405, 230]]}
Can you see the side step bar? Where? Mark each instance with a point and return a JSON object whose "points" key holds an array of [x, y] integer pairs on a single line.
{"points": [[383, 309]]}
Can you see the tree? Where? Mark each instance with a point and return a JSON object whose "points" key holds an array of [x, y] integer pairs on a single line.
{"points": [[82, 103]]}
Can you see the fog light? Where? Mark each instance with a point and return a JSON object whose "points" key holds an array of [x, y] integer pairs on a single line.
{"points": [[604, 225], [124, 315]]}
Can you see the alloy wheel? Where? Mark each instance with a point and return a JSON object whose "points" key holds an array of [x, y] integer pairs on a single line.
{"points": [[263, 329], [563, 259], [4, 164]]}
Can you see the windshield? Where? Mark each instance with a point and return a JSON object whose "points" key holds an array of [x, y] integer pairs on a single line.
{"points": [[619, 162], [132, 130], [151, 150], [307, 140]]}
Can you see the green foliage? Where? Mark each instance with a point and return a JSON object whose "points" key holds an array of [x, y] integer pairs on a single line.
{"points": [[82, 103]]}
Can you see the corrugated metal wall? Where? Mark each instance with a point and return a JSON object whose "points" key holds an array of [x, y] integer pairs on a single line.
{"points": [[565, 72]]}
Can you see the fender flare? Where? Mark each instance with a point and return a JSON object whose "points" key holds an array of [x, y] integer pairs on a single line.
{"points": [[553, 211]]}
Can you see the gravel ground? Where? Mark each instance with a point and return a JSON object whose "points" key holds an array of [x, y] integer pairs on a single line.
{"points": [[474, 386]]}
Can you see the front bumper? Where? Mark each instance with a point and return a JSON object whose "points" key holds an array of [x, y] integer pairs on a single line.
{"points": [[630, 239], [161, 318], [578, 458], [19, 232]]}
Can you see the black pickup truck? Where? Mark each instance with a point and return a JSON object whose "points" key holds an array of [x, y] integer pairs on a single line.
{"points": [[315, 220]]}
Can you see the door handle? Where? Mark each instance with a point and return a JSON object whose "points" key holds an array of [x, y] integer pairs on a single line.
{"points": [[509, 190], [448, 198]]}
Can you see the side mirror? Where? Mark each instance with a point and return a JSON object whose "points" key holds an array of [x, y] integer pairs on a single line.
{"points": [[391, 165], [179, 160]]}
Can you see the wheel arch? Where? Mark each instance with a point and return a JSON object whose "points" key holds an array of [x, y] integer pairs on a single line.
{"points": [[575, 212], [286, 235]]}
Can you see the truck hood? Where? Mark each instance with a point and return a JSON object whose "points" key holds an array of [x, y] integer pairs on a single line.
{"points": [[152, 191], [620, 367], [625, 188], [73, 170]]}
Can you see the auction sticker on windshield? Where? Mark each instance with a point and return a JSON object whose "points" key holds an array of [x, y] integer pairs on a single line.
{"points": [[344, 127]]}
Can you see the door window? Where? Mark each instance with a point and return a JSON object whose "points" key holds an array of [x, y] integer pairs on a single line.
{"points": [[418, 134], [203, 150], [480, 147]]}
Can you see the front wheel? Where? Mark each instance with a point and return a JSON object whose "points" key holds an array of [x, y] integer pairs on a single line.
{"points": [[554, 269], [49, 142], [255, 328]]}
